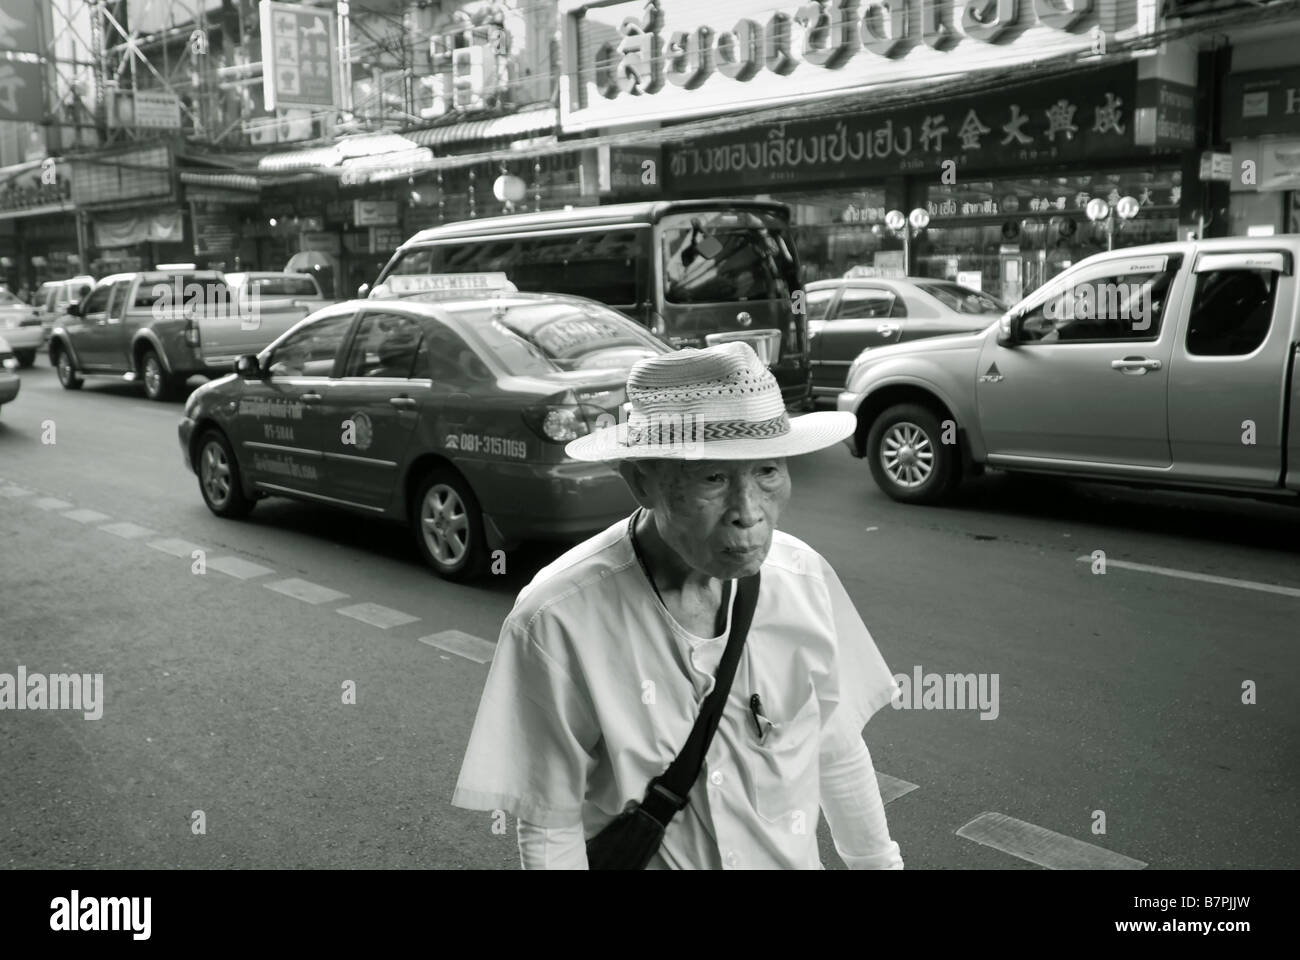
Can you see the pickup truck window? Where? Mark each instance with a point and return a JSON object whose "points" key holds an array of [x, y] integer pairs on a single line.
{"points": [[1114, 307], [120, 291], [1231, 312], [97, 302]]}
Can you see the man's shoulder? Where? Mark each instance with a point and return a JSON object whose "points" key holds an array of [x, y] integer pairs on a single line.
{"points": [[589, 562], [790, 555]]}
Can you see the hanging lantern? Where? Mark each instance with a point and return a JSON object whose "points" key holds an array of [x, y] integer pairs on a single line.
{"points": [[508, 188]]}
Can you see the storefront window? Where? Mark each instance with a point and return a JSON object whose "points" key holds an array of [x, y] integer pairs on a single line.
{"points": [[1009, 237], [836, 230]]}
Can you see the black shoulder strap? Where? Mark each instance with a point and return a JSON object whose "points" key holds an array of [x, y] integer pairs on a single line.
{"points": [[668, 792]]}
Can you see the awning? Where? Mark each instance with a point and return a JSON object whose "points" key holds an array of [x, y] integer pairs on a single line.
{"points": [[347, 148], [225, 181], [45, 210], [527, 123]]}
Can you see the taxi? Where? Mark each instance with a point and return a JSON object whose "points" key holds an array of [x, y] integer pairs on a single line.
{"points": [[443, 402]]}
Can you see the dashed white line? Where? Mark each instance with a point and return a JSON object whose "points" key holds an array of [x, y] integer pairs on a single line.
{"points": [[305, 590], [177, 548], [891, 788], [86, 516], [127, 531], [1043, 847], [376, 615], [462, 644], [51, 503], [1201, 577], [240, 569]]}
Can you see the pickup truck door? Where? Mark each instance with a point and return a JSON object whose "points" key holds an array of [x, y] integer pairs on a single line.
{"points": [[1228, 375], [1088, 380], [101, 343], [370, 412]]}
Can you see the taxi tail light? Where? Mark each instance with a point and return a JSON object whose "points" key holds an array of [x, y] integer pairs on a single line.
{"points": [[562, 422]]}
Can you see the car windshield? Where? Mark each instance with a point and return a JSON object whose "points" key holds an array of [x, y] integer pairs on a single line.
{"points": [[283, 286], [962, 299], [535, 339], [725, 257]]}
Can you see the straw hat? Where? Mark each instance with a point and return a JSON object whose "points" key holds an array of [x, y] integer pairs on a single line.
{"points": [[721, 403]]}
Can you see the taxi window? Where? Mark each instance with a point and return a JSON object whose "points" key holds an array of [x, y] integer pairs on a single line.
{"points": [[310, 351], [386, 345], [541, 338]]}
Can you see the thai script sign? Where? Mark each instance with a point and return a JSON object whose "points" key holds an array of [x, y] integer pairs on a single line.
{"points": [[633, 61]]}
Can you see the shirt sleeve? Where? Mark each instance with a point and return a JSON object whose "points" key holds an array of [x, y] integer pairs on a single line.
{"points": [[532, 745], [551, 848], [863, 680], [855, 812]]}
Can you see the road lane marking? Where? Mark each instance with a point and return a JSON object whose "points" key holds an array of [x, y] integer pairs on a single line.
{"points": [[305, 591], [240, 569], [1201, 577], [127, 531], [1043, 847], [462, 644], [177, 548], [15, 491], [86, 516], [891, 788], [376, 615], [51, 503]]}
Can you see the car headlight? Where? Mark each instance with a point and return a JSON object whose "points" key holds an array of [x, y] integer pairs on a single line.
{"points": [[9, 363]]}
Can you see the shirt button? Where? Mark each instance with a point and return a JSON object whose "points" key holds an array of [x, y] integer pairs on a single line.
{"points": [[733, 858], [715, 778]]}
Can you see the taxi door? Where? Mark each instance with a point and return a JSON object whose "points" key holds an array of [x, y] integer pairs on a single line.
{"points": [[278, 421], [370, 411]]}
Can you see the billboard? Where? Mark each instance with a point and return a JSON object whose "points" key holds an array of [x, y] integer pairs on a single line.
{"points": [[21, 79], [300, 56]]}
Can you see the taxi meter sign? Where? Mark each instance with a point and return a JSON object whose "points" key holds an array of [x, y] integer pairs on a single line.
{"points": [[449, 284]]}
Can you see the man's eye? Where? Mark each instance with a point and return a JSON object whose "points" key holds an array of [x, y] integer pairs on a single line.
{"points": [[715, 478]]}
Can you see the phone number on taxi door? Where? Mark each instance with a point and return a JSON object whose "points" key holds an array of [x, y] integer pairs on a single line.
{"points": [[492, 446]]}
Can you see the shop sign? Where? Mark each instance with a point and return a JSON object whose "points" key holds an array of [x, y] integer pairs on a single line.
{"points": [[1052, 196], [1261, 102], [374, 213], [1166, 114], [21, 96], [299, 56], [385, 239], [214, 233], [633, 61], [629, 170], [1216, 166], [136, 174], [1066, 119], [323, 242], [143, 109]]}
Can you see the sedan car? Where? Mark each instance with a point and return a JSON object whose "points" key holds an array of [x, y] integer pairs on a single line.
{"points": [[449, 414], [9, 381], [21, 326], [850, 315]]}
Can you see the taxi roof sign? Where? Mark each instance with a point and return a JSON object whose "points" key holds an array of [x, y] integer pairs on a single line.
{"points": [[449, 285]]}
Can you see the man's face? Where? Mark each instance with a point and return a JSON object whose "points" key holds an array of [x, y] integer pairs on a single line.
{"points": [[718, 515]]}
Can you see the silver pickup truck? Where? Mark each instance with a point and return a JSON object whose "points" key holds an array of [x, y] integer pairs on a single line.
{"points": [[1168, 365]]}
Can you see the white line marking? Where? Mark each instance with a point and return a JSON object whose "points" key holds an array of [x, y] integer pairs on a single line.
{"points": [[1043, 847], [86, 516], [127, 531], [462, 644], [15, 491], [51, 503], [305, 591], [891, 788], [1202, 577], [240, 569], [177, 548], [376, 615]]}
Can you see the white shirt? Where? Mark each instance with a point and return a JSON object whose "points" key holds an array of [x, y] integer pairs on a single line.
{"points": [[594, 688]]}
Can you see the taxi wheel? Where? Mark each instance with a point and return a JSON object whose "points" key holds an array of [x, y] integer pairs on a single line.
{"points": [[448, 526], [907, 458], [68, 378], [219, 478]]}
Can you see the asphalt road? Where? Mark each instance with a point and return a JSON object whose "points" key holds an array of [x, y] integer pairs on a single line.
{"points": [[1119, 693]]}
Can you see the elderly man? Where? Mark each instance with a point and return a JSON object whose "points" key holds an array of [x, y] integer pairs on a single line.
{"points": [[611, 652]]}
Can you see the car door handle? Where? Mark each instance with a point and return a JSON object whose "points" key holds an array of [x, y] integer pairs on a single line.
{"points": [[1134, 364], [887, 329], [404, 403], [309, 397]]}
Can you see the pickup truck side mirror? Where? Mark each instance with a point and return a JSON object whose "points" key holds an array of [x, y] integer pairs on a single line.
{"points": [[248, 368], [74, 308], [1009, 333]]}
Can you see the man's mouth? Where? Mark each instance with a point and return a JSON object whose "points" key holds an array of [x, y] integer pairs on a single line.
{"points": [[741, 551]]}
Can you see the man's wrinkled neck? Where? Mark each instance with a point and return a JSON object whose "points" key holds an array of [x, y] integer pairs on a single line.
{"points": [[667, 567]]}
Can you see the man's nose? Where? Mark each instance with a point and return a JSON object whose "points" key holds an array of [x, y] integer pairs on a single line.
{"points": [[747, 502]]}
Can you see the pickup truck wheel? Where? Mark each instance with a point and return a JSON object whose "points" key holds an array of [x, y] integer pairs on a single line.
{"points": [[25, 358], [219, 478], [68, 378], [158, 383], [448, 526], [907, 459]]}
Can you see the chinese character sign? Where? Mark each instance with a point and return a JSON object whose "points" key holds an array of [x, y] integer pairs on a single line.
{"points": [[299, 56]]}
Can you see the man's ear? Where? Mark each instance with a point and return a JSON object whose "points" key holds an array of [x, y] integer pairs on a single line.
{"points": [[638, 477]]}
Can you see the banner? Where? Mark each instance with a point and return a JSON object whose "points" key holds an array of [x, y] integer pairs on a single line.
{"points": [[160, 226], [300, 56], [21, 92]]}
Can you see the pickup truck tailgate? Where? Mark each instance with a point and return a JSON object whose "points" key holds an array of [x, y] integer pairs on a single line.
{"points": [[228, 334]]}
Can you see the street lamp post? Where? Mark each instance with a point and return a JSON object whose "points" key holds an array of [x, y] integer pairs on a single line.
{"points": [[1126, 208], [914, 222]]}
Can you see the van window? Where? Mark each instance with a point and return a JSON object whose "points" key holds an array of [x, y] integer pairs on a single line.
{"points": [[726, 258]]}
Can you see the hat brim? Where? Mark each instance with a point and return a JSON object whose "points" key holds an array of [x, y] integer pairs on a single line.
{"points": [[808, 434]]}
